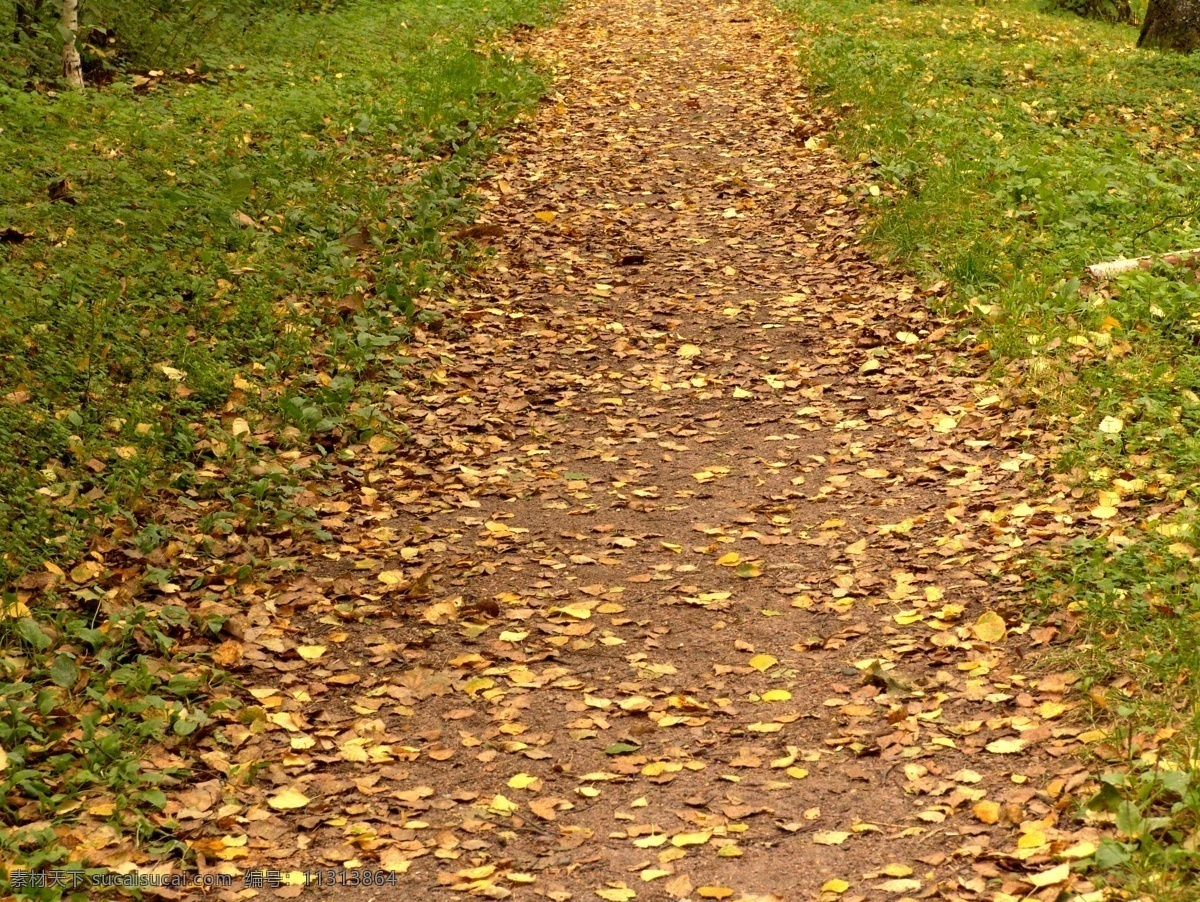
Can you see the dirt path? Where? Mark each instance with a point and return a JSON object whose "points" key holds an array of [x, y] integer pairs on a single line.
{"points": [[679, 594]]}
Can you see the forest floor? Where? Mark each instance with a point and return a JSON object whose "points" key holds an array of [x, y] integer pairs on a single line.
{"points": [[705, 572], [706, 575]]}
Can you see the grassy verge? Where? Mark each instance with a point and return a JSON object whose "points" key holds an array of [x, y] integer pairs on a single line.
{"points": [[206, 282], [1004, 149]]}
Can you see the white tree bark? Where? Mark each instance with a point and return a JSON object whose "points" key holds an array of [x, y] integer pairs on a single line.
{"points": [[72, 64], [1103, 271]]}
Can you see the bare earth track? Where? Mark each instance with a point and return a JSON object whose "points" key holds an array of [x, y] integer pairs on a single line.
{"points": [[679, 593]]}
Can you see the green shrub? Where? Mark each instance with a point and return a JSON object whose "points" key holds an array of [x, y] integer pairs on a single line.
{"points": [[117, 35]]}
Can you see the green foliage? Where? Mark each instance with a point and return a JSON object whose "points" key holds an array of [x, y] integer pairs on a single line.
{"points": [[1010, 149], [273, 226], [204, 279], [1142, 602], [1104, 10], [118, 35]]}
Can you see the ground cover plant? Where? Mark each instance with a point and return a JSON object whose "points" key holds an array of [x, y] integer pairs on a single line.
{"points": [[205, 276], [1004, 149]]}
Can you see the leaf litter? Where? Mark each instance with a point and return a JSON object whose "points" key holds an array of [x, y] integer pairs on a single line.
{"points": [[702, 575]]}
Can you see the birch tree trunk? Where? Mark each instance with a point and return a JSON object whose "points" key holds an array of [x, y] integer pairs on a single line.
{"points": [[69, 26]]}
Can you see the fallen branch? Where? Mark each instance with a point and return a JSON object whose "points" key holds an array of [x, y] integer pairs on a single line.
{"points": [[1103, 271]]}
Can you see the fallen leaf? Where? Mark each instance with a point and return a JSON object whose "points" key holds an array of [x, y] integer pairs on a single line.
{"points": [[989, 627], [1057, 874], [616, 892], [1006, 746], [830, 837], [288, 800], [762, 663]]}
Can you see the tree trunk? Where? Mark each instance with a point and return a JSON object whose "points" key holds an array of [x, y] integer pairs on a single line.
{"points": [[22, 20], [1103, 10], [1171, 25], [69, 26], [28, 12]]}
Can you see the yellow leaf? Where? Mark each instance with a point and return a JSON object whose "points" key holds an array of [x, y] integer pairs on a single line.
{"points": [[1034, 839], [857, 547], [13, 609], [354, 752], [393, 860], [310, 652], [763, 663], [751, 570], [836, 885], [1084, 849], [986, 811], [1111, 425], [776, 695], [523, 781], [729, 560], [288, 800], [517, 877], [796, 773], [898, 870], [830, 837], [380, 444], [501, 805], [617, 892], [714, 892], [1006, 746], [687, 352], [441, 612], [480, 873], [769, 727], [391, 577], [900, 886], [1056, 874], [989, 627], [1051, 710], [945, 424], [680, 840], [545, 216]]}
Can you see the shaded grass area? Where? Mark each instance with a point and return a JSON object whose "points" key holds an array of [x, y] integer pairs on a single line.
{"points": [[206, 282], [130, 35], [1003, 149]]}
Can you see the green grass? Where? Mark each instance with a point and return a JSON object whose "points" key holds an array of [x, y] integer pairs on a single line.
{"points": [[248, 246], [219, 273], [1011, 147]]}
